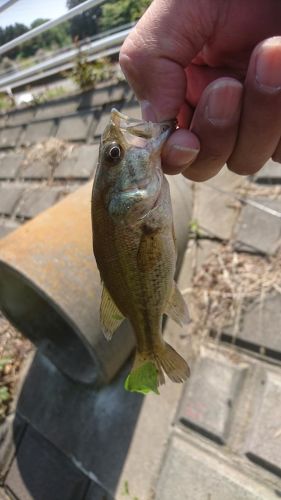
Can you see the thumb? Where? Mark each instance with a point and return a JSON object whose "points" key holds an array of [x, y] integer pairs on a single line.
{"points": [[162, 44]]}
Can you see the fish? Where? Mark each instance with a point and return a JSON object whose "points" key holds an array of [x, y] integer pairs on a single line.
{"points": [[134, 243]]}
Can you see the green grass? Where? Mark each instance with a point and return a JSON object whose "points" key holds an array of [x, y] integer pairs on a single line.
{"points": [[5, 103]]}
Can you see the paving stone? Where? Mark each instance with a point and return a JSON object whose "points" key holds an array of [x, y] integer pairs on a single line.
{"points": [[10, 165], [192, 473], [261, 326], [227, 181], [211, 394], [269, 174], [10, 136], [11, 433], [216, 213], [20, 117], [80, 164], [35, 201], [76, 127], [9, 197], [38, 131], [265, 440], [259, 231], [40, 471], [36, 170], [57, 109]]}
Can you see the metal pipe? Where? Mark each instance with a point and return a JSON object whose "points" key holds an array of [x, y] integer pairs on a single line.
{"points": [[7, 4], [50, 286]]}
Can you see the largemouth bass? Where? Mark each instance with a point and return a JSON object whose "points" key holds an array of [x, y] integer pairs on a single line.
{"points": [[134, 243]]}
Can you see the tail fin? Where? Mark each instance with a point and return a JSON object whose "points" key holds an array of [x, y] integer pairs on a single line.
{"points": [[172, 363], [148, 369]]}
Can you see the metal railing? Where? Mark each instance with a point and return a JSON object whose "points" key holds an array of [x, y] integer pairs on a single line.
{"points": [[103, 44], [79, 9], [57, 64], [7, 4]]}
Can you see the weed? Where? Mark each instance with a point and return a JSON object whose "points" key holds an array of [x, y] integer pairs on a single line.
{"points": [[87, 74]]}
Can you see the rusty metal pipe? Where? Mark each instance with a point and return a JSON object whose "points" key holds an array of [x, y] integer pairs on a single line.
{"points": [[50, 286]]}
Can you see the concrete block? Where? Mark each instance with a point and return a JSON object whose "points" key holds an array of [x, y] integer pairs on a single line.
{"points": [[10, 165], [9, 198], [258, 231], [216, 213], [37, 132], [39, 169], [20, 117], [35, 201], [76, 127], [211, 394], [264, 443], [57, 108], [260, 325], [80, 165], [41, 471], [10, 136], [3, 119], [192, 473], [103, 95], [269, 174]]}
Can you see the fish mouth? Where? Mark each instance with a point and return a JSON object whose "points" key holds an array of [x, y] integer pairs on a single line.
{"points": [[140, 128]]}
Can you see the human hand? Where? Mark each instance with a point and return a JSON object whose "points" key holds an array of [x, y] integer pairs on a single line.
{"points": [[216, 65]]}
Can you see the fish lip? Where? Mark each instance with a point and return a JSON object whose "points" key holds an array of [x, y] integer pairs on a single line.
{"points": [[142, 128]]}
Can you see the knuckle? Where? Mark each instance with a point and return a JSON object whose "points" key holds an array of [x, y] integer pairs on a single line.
{"points": [[242, 168]]}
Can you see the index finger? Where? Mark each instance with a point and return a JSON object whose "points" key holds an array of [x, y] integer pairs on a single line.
{"points": [[163, 43]]}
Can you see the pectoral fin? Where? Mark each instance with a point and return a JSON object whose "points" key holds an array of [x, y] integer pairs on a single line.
{"points": [[110, 316], [176, 307]]}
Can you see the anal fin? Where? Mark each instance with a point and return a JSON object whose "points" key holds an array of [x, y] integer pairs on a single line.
{"points": [[176, 307], [110, 316]]}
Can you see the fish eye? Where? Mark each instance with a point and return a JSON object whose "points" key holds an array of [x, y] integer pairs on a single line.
{"points": [[114, 152]]}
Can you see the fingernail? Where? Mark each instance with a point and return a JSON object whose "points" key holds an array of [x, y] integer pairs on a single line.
{"points": [[148, 113], [268, 65], [179, 157], [223, 103]]}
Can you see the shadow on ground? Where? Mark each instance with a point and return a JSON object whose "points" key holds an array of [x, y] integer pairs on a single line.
{"points": [[72, 440]]}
